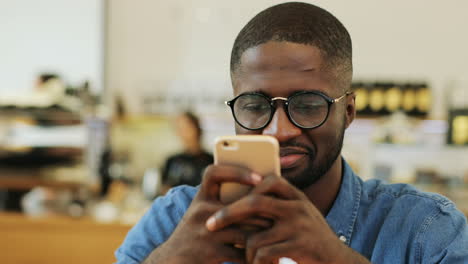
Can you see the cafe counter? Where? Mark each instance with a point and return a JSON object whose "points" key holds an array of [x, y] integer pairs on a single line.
{"points": [[58, 239]]}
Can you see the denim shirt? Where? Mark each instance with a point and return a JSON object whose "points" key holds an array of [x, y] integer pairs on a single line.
{"points": [[386, 223]]}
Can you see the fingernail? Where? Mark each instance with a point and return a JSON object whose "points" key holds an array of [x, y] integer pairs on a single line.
{"points": [[211, 223], [256, 178]]}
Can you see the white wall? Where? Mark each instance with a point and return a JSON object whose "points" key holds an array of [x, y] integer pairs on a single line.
{"points": [[186, 44], [62, 36]]}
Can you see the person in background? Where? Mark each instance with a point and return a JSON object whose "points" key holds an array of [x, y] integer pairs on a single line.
{"points": [[186, 168], [291, 72]]}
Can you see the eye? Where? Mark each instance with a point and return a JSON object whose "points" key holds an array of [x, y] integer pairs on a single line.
{"points": [[255, 107], [307, 106]]}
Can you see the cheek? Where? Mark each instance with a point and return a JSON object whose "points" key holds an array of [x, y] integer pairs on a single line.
{"points": [[327, 136]]}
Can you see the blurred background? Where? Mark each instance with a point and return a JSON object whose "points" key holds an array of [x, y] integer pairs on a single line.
{"points": [[92, 96]]}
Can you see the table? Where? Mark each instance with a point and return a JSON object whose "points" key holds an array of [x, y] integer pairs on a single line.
{"points": [[58, 239]]}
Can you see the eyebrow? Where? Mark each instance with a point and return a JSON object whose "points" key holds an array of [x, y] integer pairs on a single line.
{"points": [[256, 92]]}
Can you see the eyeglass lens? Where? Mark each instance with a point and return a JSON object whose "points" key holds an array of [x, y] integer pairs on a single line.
{"points": [[253, 111]]}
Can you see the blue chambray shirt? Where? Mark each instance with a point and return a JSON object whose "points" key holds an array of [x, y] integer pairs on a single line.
{"points": [[386, 223]]}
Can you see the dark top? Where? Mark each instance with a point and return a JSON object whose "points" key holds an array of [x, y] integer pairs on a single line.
{"points": [[185, 169]]}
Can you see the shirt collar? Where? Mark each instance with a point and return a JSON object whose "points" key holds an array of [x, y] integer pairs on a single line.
{"points": [[342, 216]]}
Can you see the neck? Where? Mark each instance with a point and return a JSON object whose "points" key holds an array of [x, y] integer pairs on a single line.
{"points": [[193, 149], [323, 193]]}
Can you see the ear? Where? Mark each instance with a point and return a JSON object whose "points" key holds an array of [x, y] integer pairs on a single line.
{"points": [[350, 108]]}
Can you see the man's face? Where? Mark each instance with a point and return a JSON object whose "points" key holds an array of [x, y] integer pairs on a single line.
{"points": [[186, 131], [280, 69]]}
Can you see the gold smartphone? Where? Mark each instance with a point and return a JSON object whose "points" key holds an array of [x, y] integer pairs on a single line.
{"points": [[256, 152]]}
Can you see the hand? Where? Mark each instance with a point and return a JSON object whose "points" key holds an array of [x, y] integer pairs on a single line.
{"points": [[299, 230], [191, 242]]}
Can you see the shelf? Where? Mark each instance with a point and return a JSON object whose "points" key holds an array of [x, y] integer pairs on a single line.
{"points": [[54, 115], [21, 136], [26, 179]]}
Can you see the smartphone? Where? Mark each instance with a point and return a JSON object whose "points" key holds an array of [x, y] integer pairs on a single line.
{"points": [[256, 152]]}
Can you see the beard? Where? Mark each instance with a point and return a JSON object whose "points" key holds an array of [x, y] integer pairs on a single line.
{"points": [[313, 172]]}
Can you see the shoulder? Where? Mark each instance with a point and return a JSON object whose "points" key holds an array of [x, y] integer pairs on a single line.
{"points": [[430, 221], [405, 199], [180, 196], [156, 225], [375, 190]]}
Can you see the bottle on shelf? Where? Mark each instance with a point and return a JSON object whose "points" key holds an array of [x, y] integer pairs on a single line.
{"points": [[459, 131], [423, 100], [393, 97], [362, 97], [457, 114], [409, 99], [377, 99]]}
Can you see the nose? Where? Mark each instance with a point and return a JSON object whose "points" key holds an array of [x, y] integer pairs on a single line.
{"points": [[281, 127]]}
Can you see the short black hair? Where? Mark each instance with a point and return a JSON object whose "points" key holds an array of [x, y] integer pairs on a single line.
{"points": [[300, 23], [195, 122]]}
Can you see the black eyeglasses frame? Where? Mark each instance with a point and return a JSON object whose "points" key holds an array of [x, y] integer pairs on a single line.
{"points": [[272, 102]]}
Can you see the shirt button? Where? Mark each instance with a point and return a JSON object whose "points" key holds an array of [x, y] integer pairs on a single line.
{"points": [[343, 239]]}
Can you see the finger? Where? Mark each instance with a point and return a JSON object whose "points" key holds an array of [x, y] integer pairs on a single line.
{"points": [[263, 239], [215, 175], [278, 187], [252, 205], [229, 253], [231, 236], [273, 253], [257, 223]]}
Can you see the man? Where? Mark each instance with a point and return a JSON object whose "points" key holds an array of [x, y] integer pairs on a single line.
{"points": [[291, 71]]}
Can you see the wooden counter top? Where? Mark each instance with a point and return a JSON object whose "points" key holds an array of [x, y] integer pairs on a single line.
{"points": [[58, 239]]}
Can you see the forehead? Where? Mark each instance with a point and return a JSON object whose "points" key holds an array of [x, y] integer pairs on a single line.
{"points": [[282, 68]]}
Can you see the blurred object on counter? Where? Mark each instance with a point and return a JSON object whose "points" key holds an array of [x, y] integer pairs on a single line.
{"points": [[107, 210], [134, 206], [97, 143], [187, 167], [49, 91], [458, 127], [104, 171], [428, 176], [456, 95], [383, 172], [151, 183], [457, 109], [40, 201], [124, 203], [46, 201], [374, 99], [396, 129]]}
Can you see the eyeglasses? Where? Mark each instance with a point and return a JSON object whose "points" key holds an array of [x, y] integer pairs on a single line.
{"points": [[307, 109]]}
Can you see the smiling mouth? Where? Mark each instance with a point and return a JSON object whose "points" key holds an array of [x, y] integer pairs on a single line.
{"points": [[292, 157]]}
